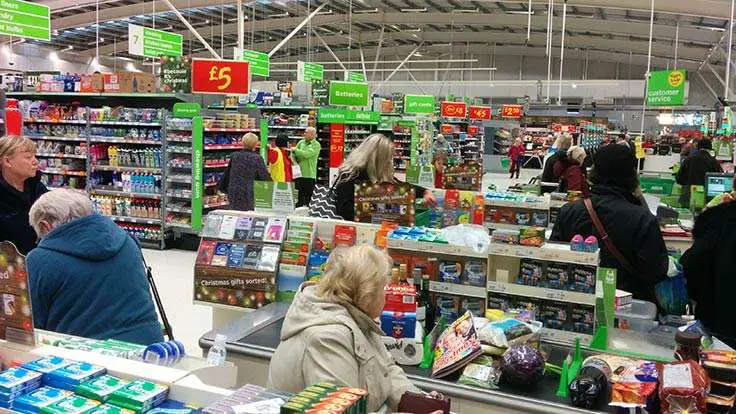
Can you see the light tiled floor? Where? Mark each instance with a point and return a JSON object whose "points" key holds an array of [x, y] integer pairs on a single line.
{"points": [[173, 273]]}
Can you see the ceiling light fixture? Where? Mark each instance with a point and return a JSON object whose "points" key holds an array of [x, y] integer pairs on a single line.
{"points": [[365, 11], [520, 12], [713, 28], [325, 12], [422, 10], [418, 29], [466, 10], [279, 15], [417, 54], [574, 85]]}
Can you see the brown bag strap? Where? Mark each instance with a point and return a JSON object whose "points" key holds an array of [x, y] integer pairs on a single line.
{"points": [[604, 236]]}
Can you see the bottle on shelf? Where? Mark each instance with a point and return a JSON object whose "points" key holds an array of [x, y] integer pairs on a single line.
{"points": [[218, 353]]}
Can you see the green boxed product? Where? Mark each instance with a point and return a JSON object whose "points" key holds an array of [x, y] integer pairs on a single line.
{"points": [[311, 395], [317, 390], [327, 386], [110, 409], [301, 400], [100, 388], [71, 405], [293, 408], [139, 395]]}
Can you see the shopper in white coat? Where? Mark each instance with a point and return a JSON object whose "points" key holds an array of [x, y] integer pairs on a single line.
{"points": [[329, 334]]}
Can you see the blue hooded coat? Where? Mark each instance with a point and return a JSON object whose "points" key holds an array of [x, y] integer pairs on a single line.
{"points": [[87, 279]]}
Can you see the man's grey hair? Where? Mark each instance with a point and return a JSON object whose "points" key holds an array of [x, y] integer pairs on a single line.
{"points": [[311, 129], [58, 207]]}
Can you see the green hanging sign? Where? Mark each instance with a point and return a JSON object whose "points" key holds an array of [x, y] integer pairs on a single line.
{"points": [[260, 63], [351, 76], [144, 41], [419, 104], [309, 72], [197, 165], [349, 94], [25, 19], [347, 116], [666, 88]]}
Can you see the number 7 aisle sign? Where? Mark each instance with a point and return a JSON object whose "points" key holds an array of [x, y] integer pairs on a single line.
{"points": [[229, 77]]}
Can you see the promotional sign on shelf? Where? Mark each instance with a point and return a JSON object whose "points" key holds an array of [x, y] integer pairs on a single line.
{"points": [[347, 116], [260, 63], [144, 41], [349, 94], [16, 323], [480, 113], [220, 76], [308, 72], [453, 109], [271, 196], [467, 176], [375, 203], [666, 88], [25, 19], [511, 111], [337, 149], [446, 129], [352, 76], [419, 104], [176, 74]]}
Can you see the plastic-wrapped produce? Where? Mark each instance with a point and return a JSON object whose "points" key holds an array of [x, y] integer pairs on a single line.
{"points": [[522, 365], [683, 388]]}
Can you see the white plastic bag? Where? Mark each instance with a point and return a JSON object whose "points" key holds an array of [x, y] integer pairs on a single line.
{"points": [[470, 235]]}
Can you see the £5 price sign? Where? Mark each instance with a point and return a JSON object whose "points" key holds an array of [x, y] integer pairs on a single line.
{"points": [[453, 109], [220, 76], [480, 113]]}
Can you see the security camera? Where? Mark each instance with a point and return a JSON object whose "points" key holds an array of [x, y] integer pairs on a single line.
{"points": [[11, 62]]}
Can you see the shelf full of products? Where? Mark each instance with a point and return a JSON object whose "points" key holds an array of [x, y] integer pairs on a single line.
{"points": [[465, 139]]}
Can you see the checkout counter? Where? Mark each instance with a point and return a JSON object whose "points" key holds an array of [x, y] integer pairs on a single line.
{"points": [[253, 338]]}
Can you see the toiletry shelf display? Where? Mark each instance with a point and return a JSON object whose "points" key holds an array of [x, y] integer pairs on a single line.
{"points": [[115, 154]]}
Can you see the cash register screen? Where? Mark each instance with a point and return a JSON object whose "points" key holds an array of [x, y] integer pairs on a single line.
{"points": [[718, 183]]}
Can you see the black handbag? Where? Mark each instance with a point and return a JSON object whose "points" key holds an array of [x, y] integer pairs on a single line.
{"points": [[323, 203]]}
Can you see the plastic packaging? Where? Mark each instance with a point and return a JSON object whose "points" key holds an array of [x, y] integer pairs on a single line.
{"points": [[683, 387], [217, 354], [482, 372], [470, 235]]}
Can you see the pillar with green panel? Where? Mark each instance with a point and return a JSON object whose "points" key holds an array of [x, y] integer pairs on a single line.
{"points": [[192, 110]]}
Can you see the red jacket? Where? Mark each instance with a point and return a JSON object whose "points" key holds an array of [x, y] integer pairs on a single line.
{"points": [[571, 177], [515, 152]]}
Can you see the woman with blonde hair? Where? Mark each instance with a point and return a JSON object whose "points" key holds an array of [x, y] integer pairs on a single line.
{"points": [[559, 148], [244, 167], [20, 187], [372, 161], [329, 333], [569, 171]]}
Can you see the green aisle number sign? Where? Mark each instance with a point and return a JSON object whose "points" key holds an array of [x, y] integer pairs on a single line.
{"points": [[259, 62], [25, 19], [666, 88], [143, 41], [308, 72], [419, 104], [351, 76], [349, 93]]}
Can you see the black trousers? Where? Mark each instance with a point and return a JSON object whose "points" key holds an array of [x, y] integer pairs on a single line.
{"points": [[305, 187]]}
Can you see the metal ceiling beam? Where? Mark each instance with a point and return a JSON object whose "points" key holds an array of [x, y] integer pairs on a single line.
{"points": [[191, 29], [296, 29]]}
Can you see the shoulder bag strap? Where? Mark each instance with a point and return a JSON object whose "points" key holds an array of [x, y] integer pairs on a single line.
{"points": [[606, 240]]}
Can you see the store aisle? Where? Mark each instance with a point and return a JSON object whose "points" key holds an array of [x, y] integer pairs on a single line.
{"points": [[173, 273]]}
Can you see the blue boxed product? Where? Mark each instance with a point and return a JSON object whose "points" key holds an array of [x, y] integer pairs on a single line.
{"points": [[450, 271], [475, 273], [47, 364], [399, 324], [34, 401], [72, 375], [16, 381]]}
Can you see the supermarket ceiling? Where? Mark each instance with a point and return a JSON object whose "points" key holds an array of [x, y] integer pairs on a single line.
{"points": [[604, 30]]}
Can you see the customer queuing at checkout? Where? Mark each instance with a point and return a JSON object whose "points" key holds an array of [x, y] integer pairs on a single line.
{"points": [[695, 167], [306, 154], [372, 161], [244, 168], [570, 173], [20, 187], [631, 227], [279, 160], [330, 334], [86, 277], [559, 148], [709, 269]]}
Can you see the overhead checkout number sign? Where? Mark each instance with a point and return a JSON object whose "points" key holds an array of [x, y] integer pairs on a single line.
{"points": [[25, 19], [666, 88], [144, 41]]}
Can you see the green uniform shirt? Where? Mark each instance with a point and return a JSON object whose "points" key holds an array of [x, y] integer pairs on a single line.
{"points": [[306, 154]]}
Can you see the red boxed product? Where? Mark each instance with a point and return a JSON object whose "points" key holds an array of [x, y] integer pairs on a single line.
{"points": [[400, 298], [683, 387], [344, 236]]}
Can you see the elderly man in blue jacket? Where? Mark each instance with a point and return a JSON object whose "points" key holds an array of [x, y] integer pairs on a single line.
{"points": [[87, 276]]}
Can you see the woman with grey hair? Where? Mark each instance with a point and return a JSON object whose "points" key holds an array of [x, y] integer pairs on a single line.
{"points": [[87, 276]]}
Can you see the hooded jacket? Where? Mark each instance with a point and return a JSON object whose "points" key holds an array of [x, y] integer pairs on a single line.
{"points": [[14, 208], [709, 270], [570, 176], [87, 278], [633, 230], [322, 341]]}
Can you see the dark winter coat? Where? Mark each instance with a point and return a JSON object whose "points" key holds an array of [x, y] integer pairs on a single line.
{"points": [[14, 208], [710, 272], [345, 196], [633, 230], [571, 178], [244, 168], [695, 167], [548, 173]]}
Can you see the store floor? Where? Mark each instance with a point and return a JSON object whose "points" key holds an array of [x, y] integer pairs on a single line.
{"points": [[172, 270]]}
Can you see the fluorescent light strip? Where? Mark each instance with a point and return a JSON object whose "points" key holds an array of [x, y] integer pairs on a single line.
{"points": [[423, 9], [715, 29], [466, 10], [519, 12], [365, 11]]}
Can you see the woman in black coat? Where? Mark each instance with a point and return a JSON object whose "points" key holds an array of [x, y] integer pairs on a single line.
{"points": [[245, 167], [20, 187], [709, 269]]}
